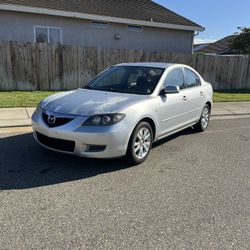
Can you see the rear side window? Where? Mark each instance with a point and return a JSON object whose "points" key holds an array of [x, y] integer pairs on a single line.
{"points": [[175, 78], [191, 79]]}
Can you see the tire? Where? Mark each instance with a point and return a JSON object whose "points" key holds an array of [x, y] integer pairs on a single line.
{"points": [[203, 123], [140, 144]]}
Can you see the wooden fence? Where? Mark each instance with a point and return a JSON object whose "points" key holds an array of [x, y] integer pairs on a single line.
{"points": [[29, 66]]}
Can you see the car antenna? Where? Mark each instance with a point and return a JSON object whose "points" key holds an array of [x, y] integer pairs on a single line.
{"points": [[174, 59]]}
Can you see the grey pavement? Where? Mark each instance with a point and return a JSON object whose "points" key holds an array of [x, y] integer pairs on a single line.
{"points": [[231, 108], [191, 193], [18, 117]]}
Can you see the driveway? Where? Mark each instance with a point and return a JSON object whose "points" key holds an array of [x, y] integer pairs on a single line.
{"points": [[192, 193]]}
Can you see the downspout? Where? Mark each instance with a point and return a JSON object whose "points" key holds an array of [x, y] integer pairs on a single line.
{"points": [[195, 34]]}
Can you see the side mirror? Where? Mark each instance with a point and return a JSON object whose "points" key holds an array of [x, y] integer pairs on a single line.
{"points": [[170, 90]]}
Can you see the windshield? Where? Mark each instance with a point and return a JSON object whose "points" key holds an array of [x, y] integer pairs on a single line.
{"points": [[128, 79]]}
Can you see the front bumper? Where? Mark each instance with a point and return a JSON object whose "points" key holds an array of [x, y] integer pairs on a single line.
{"points": [[91, 142]]}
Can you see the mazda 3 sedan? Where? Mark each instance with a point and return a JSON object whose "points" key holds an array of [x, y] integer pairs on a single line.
{"points": [[124, 110]]}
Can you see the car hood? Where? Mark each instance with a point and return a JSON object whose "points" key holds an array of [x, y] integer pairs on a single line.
{"points": [[89, 102]]}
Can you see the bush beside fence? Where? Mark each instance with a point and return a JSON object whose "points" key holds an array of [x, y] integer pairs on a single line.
{"points": [[32, 67]]}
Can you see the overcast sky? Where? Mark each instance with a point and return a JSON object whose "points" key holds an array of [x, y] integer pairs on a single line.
{"points": [[220, 17]]}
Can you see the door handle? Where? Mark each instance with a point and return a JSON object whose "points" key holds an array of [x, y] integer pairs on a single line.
{"points": [[202, 94], [184, 98]]}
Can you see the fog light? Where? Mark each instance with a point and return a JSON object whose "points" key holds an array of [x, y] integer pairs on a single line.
{"points": [[96, 148]]}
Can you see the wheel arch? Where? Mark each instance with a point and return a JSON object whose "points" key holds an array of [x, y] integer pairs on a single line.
{"points": [[151, 123], [209, 104]]}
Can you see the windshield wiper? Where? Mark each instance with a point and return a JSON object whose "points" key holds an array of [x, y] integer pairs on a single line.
{"points": [[114, 90]]}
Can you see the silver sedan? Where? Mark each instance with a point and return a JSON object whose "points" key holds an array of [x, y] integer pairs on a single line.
{"points": [[124, 110]]}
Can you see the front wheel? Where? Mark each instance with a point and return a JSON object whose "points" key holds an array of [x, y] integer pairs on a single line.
{"points": [[204, 120], [140, 143]]}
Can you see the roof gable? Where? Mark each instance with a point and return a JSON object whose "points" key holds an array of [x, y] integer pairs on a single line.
{"points": [[143, 10]]}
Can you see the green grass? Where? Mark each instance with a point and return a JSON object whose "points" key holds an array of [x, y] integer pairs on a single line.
{"points": [[22, 99], [240, 95], [31, 99]]}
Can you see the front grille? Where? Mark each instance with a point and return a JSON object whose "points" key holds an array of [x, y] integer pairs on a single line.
{"points": [[58, 144], [53, 121]]}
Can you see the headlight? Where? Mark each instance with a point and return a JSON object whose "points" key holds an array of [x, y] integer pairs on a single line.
{"points": [[104, 120]]}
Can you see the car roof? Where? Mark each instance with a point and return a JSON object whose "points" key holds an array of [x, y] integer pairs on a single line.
{"points": [[149, 64]]}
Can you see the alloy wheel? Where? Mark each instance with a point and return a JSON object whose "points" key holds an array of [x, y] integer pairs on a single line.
{"points": [[142, 143], [205, 117]]}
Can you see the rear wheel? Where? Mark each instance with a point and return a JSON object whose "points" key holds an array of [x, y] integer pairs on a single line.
{"points": [[204, 120], [140, 143]]}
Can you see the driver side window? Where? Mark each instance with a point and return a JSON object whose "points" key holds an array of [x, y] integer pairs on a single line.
{"points": [[175, 78]]}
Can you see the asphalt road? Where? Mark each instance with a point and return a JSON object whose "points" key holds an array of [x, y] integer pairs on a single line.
{"points": [[192, 193]]}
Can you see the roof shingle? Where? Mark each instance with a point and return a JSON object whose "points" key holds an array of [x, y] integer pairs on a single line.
{"points": [[218, 46], [144, 10]]}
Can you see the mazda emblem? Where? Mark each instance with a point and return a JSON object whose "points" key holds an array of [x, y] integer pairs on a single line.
{"points": [[51, 119]]}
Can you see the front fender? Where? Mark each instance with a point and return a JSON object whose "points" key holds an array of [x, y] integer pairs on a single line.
{"points": [[146, 110]]}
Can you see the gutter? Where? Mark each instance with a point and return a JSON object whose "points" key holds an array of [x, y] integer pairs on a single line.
{"points": [[53, 12]]}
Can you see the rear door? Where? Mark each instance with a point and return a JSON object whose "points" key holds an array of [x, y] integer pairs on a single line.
{"points": [[193, 94]]}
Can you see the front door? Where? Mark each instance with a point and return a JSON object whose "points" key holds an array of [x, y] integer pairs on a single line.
{"points": [[173, 107]]}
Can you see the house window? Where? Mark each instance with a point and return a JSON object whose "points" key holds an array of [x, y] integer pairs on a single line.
{"points": [[100, 25], [135, 28], [47, 34]]}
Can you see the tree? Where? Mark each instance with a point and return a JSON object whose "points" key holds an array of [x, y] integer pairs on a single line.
{"points": [[241, 42]]}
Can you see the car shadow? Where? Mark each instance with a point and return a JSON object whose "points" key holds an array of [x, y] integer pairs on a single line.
{"points": [[24, 164], [187, 131]]}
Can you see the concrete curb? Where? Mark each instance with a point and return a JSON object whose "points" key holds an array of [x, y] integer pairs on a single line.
{"points": [[16, 126], [231, 114]]}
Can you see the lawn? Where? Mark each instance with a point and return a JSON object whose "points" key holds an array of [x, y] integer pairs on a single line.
{"points": [[22, 99], [240, 95], [31, 99]]}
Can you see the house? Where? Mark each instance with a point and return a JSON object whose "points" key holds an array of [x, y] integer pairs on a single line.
{"points": [[131, 24], [220, 47], [198, 47]]}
